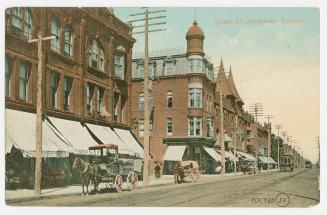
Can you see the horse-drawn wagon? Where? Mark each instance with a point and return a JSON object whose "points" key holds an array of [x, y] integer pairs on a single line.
{"points": [[107, 171], [186, 171]]}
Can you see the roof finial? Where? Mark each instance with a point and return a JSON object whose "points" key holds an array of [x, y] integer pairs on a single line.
{"points": [[195, 14]]}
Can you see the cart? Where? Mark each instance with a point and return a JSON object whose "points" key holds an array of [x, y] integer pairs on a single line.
{"points": [[114, 171], [186, 171]]}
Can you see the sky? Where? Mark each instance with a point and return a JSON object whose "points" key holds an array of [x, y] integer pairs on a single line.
{"points": [[273, 52]]}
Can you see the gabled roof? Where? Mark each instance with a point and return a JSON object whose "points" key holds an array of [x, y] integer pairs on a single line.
{"points": [[232, 86]]}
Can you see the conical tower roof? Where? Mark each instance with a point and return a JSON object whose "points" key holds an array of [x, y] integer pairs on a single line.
{"points": [[222, 82], [231, 84]]}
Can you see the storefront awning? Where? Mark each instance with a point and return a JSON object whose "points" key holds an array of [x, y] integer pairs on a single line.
{"points": [[129, 141], [213, 153], [263, 159], [20, 132], [272, 160], [75, 134], [174, 153], [229, 155], [246, 156], [107, 136]]}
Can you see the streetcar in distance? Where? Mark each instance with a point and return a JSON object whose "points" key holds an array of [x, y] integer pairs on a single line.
{"points": [[308, 164], [286, 163]]}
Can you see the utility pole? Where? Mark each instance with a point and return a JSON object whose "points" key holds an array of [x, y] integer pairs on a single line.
{"points": [[221, 133], [38, 135], [235, 140], [257, 110], [146, 136], [278, 127], [269, 137], [318, 142]]}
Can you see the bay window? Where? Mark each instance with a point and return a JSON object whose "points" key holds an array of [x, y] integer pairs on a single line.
{"points": [[195, 97], [195, 126], [196, 65]]}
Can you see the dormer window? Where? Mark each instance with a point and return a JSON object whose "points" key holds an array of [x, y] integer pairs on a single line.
{"points": [[169, 66], [151, 69]]}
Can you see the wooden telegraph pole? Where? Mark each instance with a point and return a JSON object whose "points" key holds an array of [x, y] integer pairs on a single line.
{"points": [[38, 135], [146, 136], [269, 137], [278, 127], [257, 110]]}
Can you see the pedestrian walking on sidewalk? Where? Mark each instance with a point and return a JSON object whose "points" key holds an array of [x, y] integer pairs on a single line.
{"points": [[157, 171]]}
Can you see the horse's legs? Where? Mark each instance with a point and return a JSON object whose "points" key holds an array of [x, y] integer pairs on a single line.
{"points": [[83, 193]]}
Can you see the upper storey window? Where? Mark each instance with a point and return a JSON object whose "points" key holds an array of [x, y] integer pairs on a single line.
{"points": [[55, 31], [195, 95], [169, 66], [119, 66], [68, 46], [27, 24], [195, 64], [96, 57], [16, 19], [21, 21], [151, 69]]}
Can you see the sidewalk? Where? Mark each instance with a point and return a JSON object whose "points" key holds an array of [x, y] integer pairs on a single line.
{"points": [[77, 189]]}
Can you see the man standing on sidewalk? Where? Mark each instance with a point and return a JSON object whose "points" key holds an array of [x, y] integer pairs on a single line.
{"points": [[157, 171]]}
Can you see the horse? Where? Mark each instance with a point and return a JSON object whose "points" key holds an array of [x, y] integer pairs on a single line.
{"points": [[88, 173]]}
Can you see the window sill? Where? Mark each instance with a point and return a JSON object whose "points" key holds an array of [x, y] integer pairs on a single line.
{"points": [[97, 72]]}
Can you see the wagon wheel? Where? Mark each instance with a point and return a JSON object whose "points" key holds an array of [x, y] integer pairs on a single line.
{"points": [[118, 183], [132, 180]]}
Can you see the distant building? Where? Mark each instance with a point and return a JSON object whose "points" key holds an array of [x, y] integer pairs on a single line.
{"points": [[184, 104]]}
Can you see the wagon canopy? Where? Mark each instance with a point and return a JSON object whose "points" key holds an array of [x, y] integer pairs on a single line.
{"points": [[103, 146]]}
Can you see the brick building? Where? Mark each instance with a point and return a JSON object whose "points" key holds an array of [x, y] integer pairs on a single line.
{"points": [[86, 81], [184, 100]]}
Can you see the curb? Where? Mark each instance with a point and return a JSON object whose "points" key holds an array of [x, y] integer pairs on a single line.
{"points": [[208, 179]]}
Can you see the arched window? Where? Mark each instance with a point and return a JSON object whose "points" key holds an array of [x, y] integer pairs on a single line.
{"points": [[68, 46], [16, 19], [169, 99], [96, 58], [55, 31], [27, 24], [141, 101]]}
